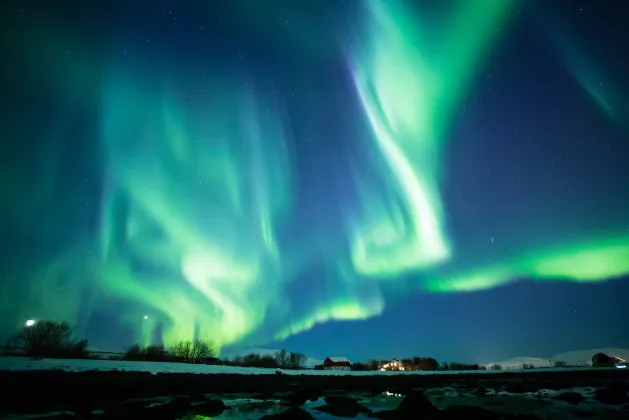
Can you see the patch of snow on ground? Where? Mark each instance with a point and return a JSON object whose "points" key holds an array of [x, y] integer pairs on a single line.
{"points": [[72, 365]]}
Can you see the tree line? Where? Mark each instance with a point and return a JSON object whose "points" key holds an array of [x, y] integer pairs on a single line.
{"points": [[414, 364], [55, 340]]}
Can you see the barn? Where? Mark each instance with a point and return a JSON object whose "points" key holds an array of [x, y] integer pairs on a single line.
{"points": [[336, 363]]}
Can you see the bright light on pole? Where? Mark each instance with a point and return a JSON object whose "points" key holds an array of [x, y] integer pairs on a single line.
{"points": [[30, 322]]}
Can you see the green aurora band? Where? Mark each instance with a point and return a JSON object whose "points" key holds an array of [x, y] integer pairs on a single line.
{"points": [[408, 94], [197, 197], [198, 191]]}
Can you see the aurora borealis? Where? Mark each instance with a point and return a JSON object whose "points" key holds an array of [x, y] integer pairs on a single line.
{"points": [[255, 173]]}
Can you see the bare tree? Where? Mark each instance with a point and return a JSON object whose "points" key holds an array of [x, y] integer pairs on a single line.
{"points": [[48, 338], [282, 358], [296, 360], [202, 350], [182, 350], [197, 351], [373, 364]]}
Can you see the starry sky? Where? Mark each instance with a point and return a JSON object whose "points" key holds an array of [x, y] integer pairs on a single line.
{"points": [[364, 178]]}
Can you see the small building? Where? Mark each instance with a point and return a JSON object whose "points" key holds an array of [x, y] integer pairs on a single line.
{"points": [[336, 363], [393, 365]]}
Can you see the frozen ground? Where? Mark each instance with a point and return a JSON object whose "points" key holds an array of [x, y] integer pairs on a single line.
{"points": [[23, 363], [104, 389]]}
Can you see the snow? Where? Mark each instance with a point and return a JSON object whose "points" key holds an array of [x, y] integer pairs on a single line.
{"points": [[572, 358], [339, 359], [517, 362], [583, 357], [71, 365]]}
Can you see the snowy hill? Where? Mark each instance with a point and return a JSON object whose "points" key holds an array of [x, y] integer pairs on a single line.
{"points": [[572, 358], [582, 357], [310, 362]]}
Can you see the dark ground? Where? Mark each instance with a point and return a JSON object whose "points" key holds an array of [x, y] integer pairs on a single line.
{"points": [[81, 392]]}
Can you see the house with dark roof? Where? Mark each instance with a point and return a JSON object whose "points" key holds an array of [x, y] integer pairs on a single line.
{"points": [[336, 363], [394, 364]]}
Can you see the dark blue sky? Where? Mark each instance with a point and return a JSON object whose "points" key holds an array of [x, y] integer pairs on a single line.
{"points": [[532, 172]]}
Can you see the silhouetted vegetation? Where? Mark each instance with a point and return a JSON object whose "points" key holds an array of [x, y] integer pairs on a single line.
{"points": [[193, 351], [281, 360], [358, 366], [466, 366], [153, 353], [187, 351], [373, 364], [423, 363], [47, 339], [54, 340]]}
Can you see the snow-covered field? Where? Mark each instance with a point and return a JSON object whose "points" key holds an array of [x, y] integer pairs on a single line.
{"points": [[69, 365], [501, 396]]}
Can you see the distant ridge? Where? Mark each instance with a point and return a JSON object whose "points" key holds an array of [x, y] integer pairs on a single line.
{"points": [[572, 358]]}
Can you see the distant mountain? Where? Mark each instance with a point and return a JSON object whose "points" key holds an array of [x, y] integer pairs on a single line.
{"points": [[310, 362], [582, 357], [572, 358]]}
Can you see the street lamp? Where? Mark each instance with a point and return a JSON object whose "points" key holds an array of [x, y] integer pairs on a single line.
{"points": [[30, 322]]}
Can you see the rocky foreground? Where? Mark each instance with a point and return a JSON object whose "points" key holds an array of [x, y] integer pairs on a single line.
{"points": [[596, 394]]}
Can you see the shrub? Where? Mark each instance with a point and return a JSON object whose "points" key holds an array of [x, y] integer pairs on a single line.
{"points": [[286, 360], [193, 351], [48, 339], [373, 364], [359, 366], [152, 353], [560, 363], [426, 363], [465, 366], [282, 360], [495, 367]]}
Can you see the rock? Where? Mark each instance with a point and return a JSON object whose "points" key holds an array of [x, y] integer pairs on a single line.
{"points": [[60, 416], [209, 408], [175, 409], [298, 398], [414, 405], [199, 398], [602, 360], [293, 413], [82, 410], [616, 394], [342, 407], [573, 398], [457, 412], [126, 410], [520, 388]]}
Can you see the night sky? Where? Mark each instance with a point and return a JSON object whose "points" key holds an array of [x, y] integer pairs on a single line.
{"points": [[361, 178]]}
